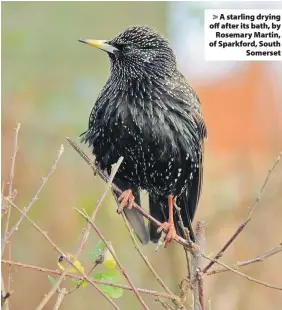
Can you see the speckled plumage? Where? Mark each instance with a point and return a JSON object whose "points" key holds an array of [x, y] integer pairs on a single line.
{"points": [[147, 113]]}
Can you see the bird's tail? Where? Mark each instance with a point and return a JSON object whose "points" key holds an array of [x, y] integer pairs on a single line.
{"points": [[135, 219], [159, 210]]}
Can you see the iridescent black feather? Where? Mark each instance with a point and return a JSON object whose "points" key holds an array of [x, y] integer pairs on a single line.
{"points": [[149, 114]]}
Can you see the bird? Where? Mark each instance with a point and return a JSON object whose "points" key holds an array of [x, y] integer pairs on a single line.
{"points": [[149, 114]]}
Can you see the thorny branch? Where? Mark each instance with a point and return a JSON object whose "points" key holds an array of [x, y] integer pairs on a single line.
{"points": [[83, 240], [62, 294], [178, 239], [176, 300], [16, 148], [26, 209], [73, 276], [198, 287], [187, 244], [97, 207], [164, 304], [115, 257], [12, 173], [257, 259], [224, 248], [44, 234], [242, 274], [249, 217], [4, 295], [185, 282]]}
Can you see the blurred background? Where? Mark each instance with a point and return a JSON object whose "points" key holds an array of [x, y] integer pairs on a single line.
{"points": [[49, 85]]}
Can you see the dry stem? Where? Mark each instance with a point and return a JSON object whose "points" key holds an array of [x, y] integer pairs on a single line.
{"points": [[242, 274], [44, 234], [198, 288], [4, 295], [176, 301], [62, 294], [249, 217], [73, 276], [164, 304], [26, 209], [83, 241], [10, 191], [115, 257], [257, 259]]}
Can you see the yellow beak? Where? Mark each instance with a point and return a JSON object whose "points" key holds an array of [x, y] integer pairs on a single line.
{"points": [[101, 44]]}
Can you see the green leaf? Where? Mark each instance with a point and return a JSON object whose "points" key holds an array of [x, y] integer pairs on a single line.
{"points": [[78, 282], [51, 280], [101, 255], [112, 276], [98, 250]]}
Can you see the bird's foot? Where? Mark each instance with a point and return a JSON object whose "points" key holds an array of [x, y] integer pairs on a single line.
{"points": [[171, 232], [126, 199]]}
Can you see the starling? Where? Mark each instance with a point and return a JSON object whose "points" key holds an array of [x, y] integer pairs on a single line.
{"points": [[150, 115]]}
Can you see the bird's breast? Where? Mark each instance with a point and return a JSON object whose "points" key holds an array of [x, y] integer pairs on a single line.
{"points": [[153, 158]]}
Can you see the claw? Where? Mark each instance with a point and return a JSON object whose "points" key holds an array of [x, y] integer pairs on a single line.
{"points": [[171, 232], [126, 199]]}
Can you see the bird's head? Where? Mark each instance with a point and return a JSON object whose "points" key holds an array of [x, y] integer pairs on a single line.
{"points": [[138, 51]]}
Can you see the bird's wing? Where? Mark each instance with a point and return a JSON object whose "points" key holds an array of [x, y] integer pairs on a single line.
{"points": [[158, 210], [186, 105], [189, 200]]}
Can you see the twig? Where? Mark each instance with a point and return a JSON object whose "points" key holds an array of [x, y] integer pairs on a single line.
{"points": [[257, 259], [44, 234], [115, 257], [242, 274], [249, 217], [9, 268], [158, 278], [81, 281], [176, 301], [10, 190], [198, 288], [26, 209], [93, 216], [4, 295], [73, 276], [186, 282], [82, 154], [209, 303], [270, 171], [62, 294], [220, 253], [105, 178], [4, 299], [82, 243], [185, 231], [15, 150], [95, 210], [164, 304], [54, 288], [109, 184]]}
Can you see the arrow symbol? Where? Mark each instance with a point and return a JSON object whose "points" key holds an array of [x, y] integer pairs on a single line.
{"points": [[215, 16]]}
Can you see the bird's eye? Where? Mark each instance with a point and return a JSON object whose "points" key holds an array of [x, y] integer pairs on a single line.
{"points": [[127, 48]]}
